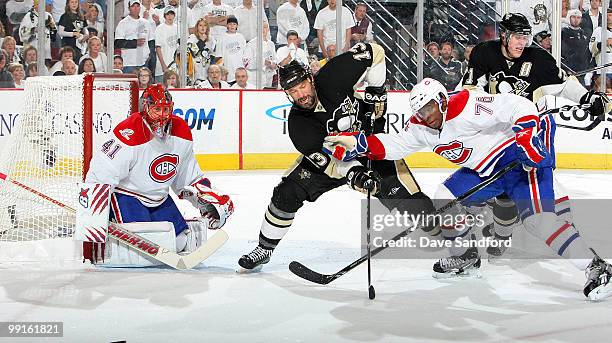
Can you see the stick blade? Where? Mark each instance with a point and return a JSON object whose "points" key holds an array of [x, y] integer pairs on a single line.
{"points": [[308, 274], [207, 249]]}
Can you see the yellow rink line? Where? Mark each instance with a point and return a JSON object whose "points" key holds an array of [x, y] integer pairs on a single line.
{"points": [[416, 160]]}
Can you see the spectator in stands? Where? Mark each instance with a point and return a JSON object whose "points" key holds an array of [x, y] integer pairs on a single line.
{"points": [[314, 67], [325, 23], [312, 7], [434, 49], [231, 47], [10, 46], [331, 52], [544, 40], [6, 79], [31, 70], [86, 66], [132, 36], [18, 73], [575, 44], [595, 43], [145, 77], [171, 79], [29, 55], [214, 79], [291, 51], [247, 17], [242, 79], [2, 33], [216, 14], [362, 31], [591, 18], [224, 73], [488, 32], [15, 11], [72, 28], [95, 22], [268, 57], [200, 47], [66, 53], [167, 42], [69, 67], [448, 70], [28, 29], [117, 63], [93, 51], [290, 16]]}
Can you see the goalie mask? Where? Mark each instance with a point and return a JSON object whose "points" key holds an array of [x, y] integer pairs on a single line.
{"points": [[157, 107]]}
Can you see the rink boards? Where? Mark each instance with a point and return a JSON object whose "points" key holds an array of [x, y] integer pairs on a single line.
{"points": [[248, 130]]}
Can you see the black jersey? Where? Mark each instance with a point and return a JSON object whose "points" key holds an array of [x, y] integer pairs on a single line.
{"points": [[489, 69], [338, 110]]}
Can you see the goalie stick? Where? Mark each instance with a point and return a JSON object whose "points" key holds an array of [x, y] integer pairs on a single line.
{"points": [[323, 279], [141, 244]]}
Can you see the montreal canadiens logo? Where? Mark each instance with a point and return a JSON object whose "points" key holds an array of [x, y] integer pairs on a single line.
{"points": [[454, 152], [163, 167]]}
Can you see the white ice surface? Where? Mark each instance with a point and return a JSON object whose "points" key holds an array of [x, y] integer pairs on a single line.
{"points": [[514, 301]]}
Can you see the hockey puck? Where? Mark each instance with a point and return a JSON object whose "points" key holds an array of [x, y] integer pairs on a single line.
{"points": [[371, 292]]}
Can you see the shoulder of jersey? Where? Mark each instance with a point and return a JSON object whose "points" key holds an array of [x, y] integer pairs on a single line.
{"points": [[180, 128], [132, 131]]}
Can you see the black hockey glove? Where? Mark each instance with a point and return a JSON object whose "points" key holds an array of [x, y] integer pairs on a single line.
{"points": [[377, 98], [600, 103], [362, 179]]}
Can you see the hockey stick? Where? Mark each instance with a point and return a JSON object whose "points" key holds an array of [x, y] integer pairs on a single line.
{"points": [[141, 244], [591, 69], [596, 121], [323, 279], [371, 291]]}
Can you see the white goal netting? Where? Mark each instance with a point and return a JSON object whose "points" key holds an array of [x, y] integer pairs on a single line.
{"points": [[46, 152]]}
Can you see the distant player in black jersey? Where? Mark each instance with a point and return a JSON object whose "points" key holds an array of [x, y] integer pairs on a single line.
{"points": [[512, 65], [326, 104]]}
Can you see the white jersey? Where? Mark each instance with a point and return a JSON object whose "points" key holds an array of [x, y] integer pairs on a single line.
{"points": [[289, 18], [222, 10], [129, 29], [247, 21], [477, 129], [137, 163], [267, 58], [326, 21], [167, 38], [231, 48], [595, 50]]}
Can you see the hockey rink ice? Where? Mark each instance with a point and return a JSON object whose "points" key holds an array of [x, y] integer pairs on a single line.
{"points": [[515, 300]]}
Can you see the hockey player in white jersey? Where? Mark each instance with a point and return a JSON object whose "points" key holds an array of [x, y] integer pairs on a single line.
{"points": [[482, 134], [150, 152]]}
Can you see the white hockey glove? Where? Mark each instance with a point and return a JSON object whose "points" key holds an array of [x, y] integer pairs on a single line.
{"points": [[212, 205]]}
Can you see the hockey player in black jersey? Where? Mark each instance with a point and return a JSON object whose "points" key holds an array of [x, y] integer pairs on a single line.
{"points": [[512, 65], [322, 105]]}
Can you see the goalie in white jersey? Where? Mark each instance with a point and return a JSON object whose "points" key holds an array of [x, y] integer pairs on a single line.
{"points": [[150, 152], [483, 133]]}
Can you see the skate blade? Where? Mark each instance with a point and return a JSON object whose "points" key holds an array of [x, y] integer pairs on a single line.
{"points": [[466, 274], [241, 270], [600, 292]]}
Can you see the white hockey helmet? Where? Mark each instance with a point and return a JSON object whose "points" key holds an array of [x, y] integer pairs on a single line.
{"points": [[423, 93]]}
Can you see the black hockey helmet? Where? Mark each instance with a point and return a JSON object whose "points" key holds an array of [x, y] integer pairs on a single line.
{"points": [[515, 22], [293, 73]]}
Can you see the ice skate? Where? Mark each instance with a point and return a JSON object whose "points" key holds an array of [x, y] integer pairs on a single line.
{"points": [[598, 275], [254, 260], [466, 265]]}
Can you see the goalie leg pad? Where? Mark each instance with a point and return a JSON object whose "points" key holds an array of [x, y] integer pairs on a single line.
{"points": [[118, 255]]}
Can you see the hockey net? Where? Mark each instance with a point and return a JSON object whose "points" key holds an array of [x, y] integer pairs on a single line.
{"points": [[50, 148]]}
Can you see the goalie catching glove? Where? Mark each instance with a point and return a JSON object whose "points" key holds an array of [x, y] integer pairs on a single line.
{"points": [[212, 205]]}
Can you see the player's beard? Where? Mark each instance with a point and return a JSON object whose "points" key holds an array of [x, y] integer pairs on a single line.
{"points": [[309, 101]]}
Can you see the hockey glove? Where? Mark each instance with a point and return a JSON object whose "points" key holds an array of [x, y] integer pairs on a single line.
{"points": [[377, 98], [212, 205], [363, 180], [345, 146], [600, 103], [532, 151]]}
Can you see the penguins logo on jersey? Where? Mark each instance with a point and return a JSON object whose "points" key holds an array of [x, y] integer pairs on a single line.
{"points": [[345, 117], [453, 151], [163, 168], [502, 83]]}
